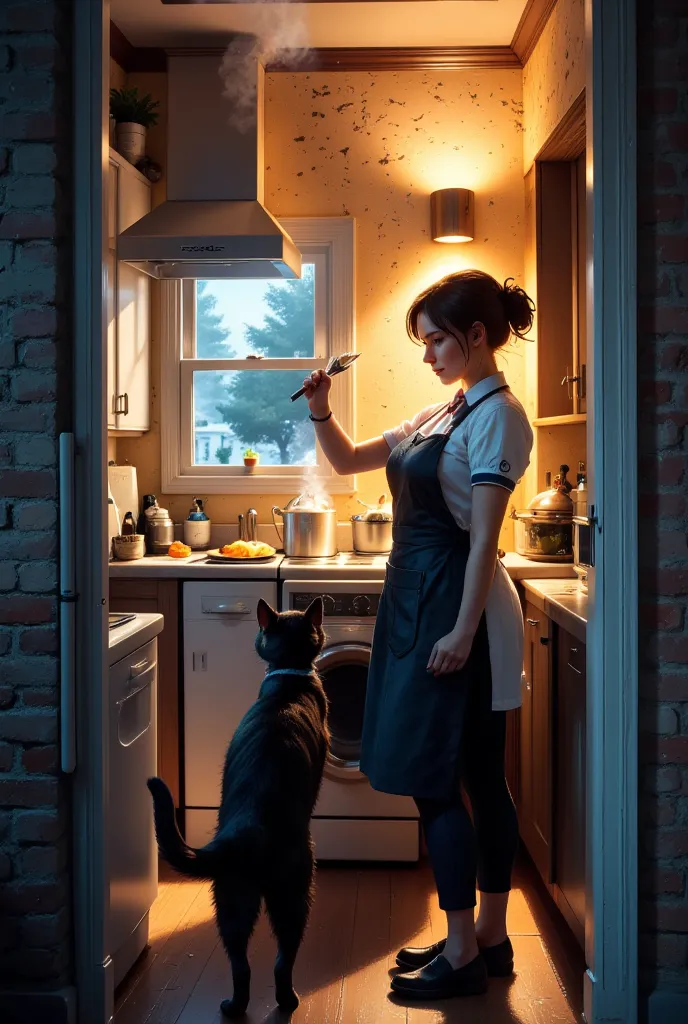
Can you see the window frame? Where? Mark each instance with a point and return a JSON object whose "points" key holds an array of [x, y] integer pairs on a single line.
{"points": [[329, 243]]}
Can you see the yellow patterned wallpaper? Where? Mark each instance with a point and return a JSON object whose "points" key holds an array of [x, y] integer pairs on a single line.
{"points": [[375, 145], [554, 76]]}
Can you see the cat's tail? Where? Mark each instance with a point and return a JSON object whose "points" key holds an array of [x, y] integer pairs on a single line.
{"points": [[200, 863]]}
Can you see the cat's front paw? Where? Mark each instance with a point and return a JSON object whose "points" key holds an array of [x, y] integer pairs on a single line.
{"points": [[287, 999], [234, 1008]]}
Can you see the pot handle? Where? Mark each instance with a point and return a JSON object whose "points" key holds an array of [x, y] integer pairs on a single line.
{"points": [[276, 510]]}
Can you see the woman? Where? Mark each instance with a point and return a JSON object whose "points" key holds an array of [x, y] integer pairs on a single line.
{"points": [[448, 644]]}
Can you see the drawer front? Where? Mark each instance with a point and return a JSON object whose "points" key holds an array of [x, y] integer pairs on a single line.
{"points": [[226, 601]]}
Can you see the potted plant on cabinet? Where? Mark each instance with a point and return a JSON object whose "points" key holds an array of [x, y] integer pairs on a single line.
{"points": [[134, 115], [251, 458]]}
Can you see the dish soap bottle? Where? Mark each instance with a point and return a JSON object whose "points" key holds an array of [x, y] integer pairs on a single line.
{"points": [[197, 527], [128, 525]]}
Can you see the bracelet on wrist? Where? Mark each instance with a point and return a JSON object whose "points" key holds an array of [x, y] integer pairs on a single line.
{"points": [[320, 419]]}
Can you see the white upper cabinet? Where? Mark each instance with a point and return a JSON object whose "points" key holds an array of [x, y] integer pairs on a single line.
{"points": [[128, 306]]}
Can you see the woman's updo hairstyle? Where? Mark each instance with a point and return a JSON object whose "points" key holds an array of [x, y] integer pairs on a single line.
{"points": [[459, 300]]}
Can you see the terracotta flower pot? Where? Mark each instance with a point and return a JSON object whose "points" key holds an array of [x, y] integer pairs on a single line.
{"points": [[251, 463]]}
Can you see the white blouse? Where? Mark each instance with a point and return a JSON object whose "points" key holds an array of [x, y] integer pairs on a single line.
{"points": [[491, 446]]}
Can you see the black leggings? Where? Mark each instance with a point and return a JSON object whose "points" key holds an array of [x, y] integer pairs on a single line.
{"points": [[462, 850]]}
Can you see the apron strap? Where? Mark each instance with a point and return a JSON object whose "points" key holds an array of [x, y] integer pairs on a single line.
{"points": [[465, 409]]}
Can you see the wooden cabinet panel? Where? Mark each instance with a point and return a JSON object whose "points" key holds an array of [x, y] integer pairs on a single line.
{"points": [[554, 287], [580, 285], [128, 298], [133, 348], [570, 797], [160, 596], [535, 791], [134, 201], [113, 171]]}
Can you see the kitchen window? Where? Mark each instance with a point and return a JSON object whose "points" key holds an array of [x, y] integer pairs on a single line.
{"points": [[234, 352]]}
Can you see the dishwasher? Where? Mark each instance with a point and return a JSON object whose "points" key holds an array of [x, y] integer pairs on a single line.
{"points": [[132, 850], [222, 677]]}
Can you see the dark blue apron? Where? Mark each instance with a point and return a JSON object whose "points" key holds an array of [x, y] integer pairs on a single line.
{"points": [[413, 722]]}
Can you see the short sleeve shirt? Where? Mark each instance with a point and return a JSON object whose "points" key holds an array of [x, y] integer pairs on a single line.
{"points": [[491, 446]]}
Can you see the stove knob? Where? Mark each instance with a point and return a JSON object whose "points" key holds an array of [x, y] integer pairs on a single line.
{"points": [[328, 603], [361, 605]]}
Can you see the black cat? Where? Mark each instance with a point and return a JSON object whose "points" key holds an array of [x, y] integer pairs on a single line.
{"points": [[262, 849]]}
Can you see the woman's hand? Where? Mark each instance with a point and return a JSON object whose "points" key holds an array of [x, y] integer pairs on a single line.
{"points": [[450, 653], [318, 393]]}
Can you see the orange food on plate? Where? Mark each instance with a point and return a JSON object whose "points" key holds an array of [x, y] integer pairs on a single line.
{"points": [[179, 550], [247, 549]]}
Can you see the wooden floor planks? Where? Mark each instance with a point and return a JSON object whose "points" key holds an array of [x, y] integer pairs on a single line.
{"points": [[361, 917]]}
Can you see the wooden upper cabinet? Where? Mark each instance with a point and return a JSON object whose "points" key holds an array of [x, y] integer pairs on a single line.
{"points": [[556, 259], [128, 306]]}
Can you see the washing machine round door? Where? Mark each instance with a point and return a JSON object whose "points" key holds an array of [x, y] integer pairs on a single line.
{"points": [[343, 669]]}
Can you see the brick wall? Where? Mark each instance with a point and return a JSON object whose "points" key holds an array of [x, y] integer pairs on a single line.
{"points": [[35, 181], [663, 438]]}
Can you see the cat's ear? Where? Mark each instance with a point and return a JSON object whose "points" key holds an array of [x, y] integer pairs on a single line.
{"points": [[267, 616], [314, 612]]}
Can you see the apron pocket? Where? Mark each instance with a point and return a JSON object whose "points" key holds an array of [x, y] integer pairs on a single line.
{"points": [[402, 591]]}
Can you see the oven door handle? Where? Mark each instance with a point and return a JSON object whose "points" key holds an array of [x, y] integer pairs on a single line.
{"points": [[221, 606]]}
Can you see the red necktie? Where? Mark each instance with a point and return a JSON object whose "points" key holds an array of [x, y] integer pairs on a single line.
{"points": [[457, 401]]}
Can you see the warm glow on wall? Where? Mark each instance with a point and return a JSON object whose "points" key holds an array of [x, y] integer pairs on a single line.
{"points": [[452, 215]]}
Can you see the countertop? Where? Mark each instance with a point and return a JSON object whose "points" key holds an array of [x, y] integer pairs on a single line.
{"points": [[195, 567], [127, 638], [564, 602]]}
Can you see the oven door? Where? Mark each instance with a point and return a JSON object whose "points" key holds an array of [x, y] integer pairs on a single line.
{"points": [[343, 668]]}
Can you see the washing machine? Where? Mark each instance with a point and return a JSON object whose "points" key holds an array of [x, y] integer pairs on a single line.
{"points": [[351, 821]]}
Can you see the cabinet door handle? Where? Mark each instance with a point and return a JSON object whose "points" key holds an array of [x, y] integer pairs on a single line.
{"points": [[533, 622], [574, 650], [122, 404], [527, 684], [126, 403]]}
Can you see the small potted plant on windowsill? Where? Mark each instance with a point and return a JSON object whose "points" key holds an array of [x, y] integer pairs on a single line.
{"points": [[134, 114], [251, 458]]}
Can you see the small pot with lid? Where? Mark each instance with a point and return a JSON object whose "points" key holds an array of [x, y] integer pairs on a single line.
{"points": [[372, 529], [544, 531]]}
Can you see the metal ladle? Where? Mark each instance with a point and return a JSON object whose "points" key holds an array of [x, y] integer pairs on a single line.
{"points": [[337, 364]]}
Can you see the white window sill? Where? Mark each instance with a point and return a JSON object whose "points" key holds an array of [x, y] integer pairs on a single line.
{"points": [[251, 482]]}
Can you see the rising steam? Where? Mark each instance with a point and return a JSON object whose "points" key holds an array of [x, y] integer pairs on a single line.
{"points": [[281, 36]]}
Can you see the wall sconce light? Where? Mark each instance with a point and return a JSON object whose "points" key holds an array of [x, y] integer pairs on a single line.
{"points": [[452, 215]]}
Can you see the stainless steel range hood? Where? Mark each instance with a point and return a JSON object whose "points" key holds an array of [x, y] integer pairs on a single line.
{"points": [[213, 223]]}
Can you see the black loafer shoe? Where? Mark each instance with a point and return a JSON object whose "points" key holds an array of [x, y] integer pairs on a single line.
{"points": [[499, 959], [419, 956], [439, 980]]}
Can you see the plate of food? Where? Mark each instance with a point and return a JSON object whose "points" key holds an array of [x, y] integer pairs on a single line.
{"points": [[243, 551]]}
